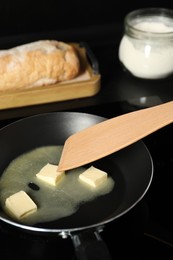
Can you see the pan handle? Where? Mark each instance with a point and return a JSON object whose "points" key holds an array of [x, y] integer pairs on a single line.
{"points": [[91, 57], [90, 246]]}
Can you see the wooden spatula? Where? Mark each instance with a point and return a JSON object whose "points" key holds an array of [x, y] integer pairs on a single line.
{"points": [[112, 135]]}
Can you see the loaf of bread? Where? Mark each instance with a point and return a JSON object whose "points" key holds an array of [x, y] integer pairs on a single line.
{"points": [[37, 63]]}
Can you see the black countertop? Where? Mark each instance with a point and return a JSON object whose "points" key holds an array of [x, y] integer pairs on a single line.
{"points": [[119, 93], [116, 84]]}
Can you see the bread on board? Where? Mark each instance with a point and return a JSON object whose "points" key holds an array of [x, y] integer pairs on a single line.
{"points": [[38, 63]]}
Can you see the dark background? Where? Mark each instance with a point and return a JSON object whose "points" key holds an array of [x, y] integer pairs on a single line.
{"points": [[25, 16], [99, 23]]}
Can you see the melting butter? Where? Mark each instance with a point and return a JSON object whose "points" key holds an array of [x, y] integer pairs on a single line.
{"points": [[53, 202]]}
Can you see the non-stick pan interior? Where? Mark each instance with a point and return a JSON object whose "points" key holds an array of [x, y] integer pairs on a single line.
{"points": [[131, 168]]}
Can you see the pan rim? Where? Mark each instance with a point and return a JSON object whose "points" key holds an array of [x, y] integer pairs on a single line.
{"points": [[68, 231]]}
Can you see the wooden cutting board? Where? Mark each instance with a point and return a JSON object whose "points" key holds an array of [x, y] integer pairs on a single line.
{"points": [[85, 85]]}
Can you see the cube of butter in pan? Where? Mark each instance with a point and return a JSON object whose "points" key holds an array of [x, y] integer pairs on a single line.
{"points": [[93, 176], [20, 204], [50, 174]]}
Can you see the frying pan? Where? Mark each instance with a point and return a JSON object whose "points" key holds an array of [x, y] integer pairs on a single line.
{"points": [[131, 168]]}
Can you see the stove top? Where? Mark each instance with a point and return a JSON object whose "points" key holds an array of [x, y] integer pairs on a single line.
{"points": [[147, 229], [128, 234]]}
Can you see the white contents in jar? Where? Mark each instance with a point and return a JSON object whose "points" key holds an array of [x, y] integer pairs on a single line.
{"points": [[149, 55]]}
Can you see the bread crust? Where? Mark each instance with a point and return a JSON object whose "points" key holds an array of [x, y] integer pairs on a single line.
{"points": [[37, 63]]}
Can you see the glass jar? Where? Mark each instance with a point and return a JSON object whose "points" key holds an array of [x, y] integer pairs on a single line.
{"points": [[146, 48]]}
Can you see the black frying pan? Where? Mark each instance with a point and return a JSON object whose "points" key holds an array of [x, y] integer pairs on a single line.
{"points": [[131, 168]]}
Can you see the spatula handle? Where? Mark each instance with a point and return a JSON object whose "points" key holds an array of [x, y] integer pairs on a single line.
{"points": [[143, 122]]}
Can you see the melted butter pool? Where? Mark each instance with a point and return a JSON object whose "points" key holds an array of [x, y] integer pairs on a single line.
{"points": [[53, 202]]}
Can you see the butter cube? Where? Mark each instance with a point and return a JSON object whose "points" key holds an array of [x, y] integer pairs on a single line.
{"points": [[20, 204], [93, 176], [50, 174]]}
